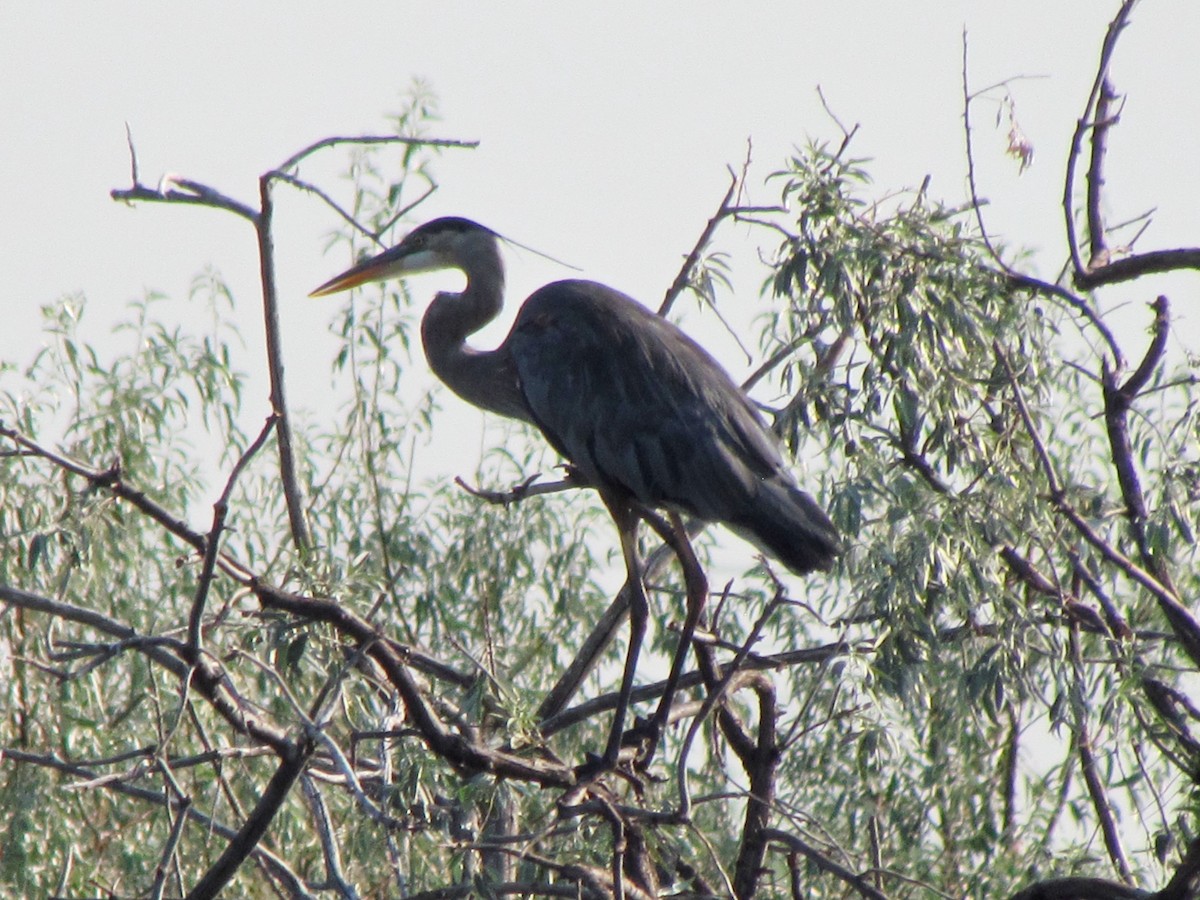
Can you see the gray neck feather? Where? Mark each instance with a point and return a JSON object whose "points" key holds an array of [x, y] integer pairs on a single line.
{"points": [[484, 378]]}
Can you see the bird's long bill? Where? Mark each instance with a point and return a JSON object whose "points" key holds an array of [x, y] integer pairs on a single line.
{"points": [[400, 260]]}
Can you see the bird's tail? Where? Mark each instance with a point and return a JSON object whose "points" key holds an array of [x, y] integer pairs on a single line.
{"points": [[789, 525]]}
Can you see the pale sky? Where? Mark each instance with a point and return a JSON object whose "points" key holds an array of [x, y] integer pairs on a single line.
{"points": [[605, 131]]}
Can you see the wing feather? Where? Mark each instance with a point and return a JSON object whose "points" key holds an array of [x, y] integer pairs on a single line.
{"points": [[636, 404]]}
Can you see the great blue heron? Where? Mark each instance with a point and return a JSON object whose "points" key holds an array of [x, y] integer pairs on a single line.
{"points": [[644, 414]]}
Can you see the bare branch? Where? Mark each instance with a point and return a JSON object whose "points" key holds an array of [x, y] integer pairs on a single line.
{"points": [[1085, 122], [1101, 269], [825, 863], [1082, 306], [1087, 765], [220, 509], [976, 204], [243, 844], [1080, 889], [194, 194], [1127, 268], [381, 139], [455, 749], [112, 480], [1117, 402], [334, 875], [1186, 880], [1154, 353], [292, 492], [689, 264], [168, 851], [1102, 124]]}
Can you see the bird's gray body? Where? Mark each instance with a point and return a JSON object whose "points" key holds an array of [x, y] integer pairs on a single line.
{"points": [[642, 410], [636, 405]]}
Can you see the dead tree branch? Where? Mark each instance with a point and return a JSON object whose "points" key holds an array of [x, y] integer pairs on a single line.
{"points": [[1101, 268]]}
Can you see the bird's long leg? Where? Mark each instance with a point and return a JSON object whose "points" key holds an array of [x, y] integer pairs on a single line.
{"points": [[626, 520], [696, 584]]}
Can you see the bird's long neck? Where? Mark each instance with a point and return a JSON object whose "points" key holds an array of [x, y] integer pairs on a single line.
{"points": [[485, 378]]}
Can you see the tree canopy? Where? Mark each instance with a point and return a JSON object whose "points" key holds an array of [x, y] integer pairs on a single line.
{"points": [[345, 680]]}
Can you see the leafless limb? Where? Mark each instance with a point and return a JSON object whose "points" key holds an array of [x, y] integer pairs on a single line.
{"points": [[168, 851], [291, 767], [1080, 889], [1118, 400], [454, 748], [207, 674], [180, 190], [825, 863], [1185, 883], [693, 258], [193, 193], [1102, 268], [976, 204], [1085, 123], [335, 879], [526, 488], [372, 235], [1127, 268], [847, 133], [714, 696], [292, 492], [688, 680], [109, 479], [1102, 122], [1087, 765], [370, 139], [112, 480], [1017, 279], [213, 542]]}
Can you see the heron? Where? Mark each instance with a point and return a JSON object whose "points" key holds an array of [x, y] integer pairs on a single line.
{"points": [[642, 413]]}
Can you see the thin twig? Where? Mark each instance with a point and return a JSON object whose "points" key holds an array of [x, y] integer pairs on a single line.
{"points": [[1085, 122], [693, 258], [976, 205], [334, 876], [112, 480], [1102, 124], [292, 492], [194, 194], [382, 139], [213, 543], [1127, 268], [823, 862], [254, 827], [168, 851], [1101, 269], [1087, 765]]}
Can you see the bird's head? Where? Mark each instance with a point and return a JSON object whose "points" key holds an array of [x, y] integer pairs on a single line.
{"points": [[446, 243]]}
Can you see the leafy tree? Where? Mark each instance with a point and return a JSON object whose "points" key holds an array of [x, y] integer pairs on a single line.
{"points": [[349, 682]]}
